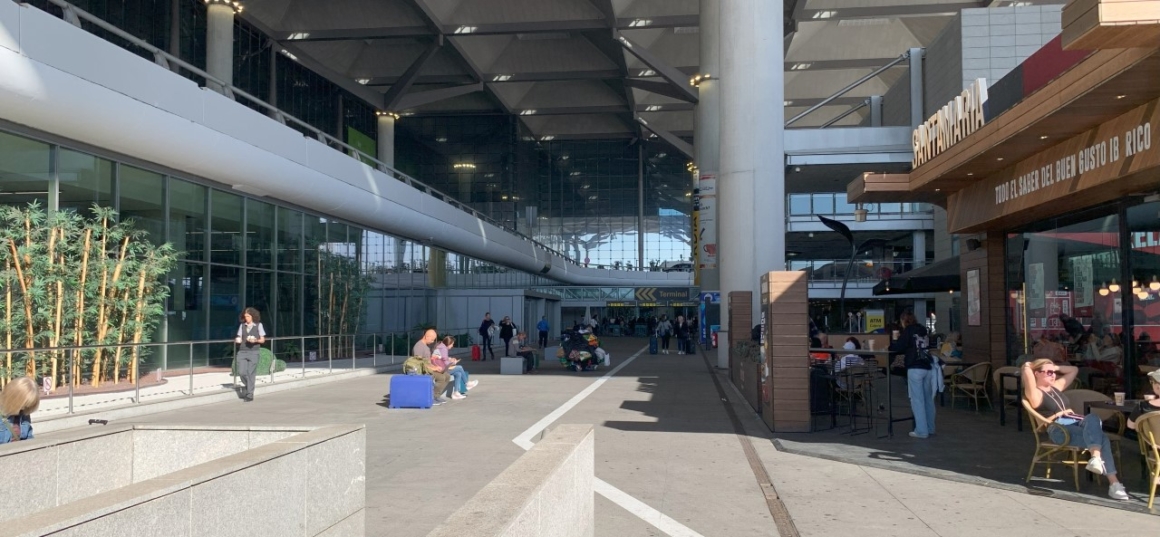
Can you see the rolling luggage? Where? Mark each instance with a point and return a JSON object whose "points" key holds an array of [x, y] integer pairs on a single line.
{"points": [[476, 353], [412, 391], [652, 344]]}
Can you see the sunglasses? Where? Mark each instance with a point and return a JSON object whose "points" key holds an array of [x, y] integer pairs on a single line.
{"points": [[1049, 372]]}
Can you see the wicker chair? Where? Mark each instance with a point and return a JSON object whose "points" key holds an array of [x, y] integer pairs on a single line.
{"points": [[1047, 452], [1006, 389], [971, 382], [1148, 431]]}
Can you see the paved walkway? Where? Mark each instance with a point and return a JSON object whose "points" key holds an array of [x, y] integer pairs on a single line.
{"points": [[667, 458]]}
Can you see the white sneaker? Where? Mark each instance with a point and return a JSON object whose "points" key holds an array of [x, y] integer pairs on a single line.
{"points": [[457, 396], [1117, 492], [472, 384], [1096, 466]]}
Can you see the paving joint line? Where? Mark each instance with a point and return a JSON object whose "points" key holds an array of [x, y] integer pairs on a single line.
{"points": [[777, 508]]}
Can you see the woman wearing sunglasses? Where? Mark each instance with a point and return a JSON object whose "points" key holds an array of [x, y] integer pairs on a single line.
{"points": [[1043, 385]]}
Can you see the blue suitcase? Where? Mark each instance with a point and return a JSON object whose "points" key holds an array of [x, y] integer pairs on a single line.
{"points": [[652, 344], [412, 391]]}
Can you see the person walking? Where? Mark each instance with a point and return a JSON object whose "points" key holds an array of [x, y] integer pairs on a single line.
{"points": [[543, 327], [664, 331], [911, 342], [507, 331], [251, 336], [485, 333], [681, 331]]}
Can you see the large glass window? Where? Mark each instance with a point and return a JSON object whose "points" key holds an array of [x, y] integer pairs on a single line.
{"points": [[24, 170], [143, 200], [187, 218], [1144, 246], [187, 302], [289, 240], [225, 301], [1063, 282], [289, 316], [85, 180], [259, 295], [226, 228], [259, 234]]}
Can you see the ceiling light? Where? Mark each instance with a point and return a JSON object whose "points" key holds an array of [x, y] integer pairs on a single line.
{"points": [[800, 66], [298, 35], [787, 103], [585, 186], [464, 166], [1120, 96], [653, 108], [1104, 291], [381, 113], [441, 139], [970, 174], [1044, 137], [575, 173], [563, 157], [488, 175], [829, 13], [637, 23], [1155, 285], [1000, 159], [465, 30], [501, 78], [938, 190], [646, 72], [688, 194], [287, 54], [527, 112], [1114, 287], [362, 81], [592, 197], [1143, 295], [663, 155], [548, 138]]}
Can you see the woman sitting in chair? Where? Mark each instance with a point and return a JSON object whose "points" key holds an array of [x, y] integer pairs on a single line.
{"points": [[1043, 384]]}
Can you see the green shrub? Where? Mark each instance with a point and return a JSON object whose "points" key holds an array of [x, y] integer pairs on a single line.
{"points": [[264, 363]]}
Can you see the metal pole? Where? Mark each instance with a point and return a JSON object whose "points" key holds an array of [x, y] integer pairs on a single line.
{"points": [[71, 372], [302, 354], [843, 115], [136, 376], [846, 89], [916, 99], [191, 368], [330, 354], [640, 231]]}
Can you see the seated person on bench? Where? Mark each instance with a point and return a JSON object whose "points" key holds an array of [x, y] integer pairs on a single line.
{"points": [[520, 347]]}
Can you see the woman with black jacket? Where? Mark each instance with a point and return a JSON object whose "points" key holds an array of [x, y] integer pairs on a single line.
{"points": [[507, 330], [920, 381]]}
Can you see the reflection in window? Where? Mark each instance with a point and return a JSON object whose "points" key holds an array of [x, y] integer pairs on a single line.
{"points": [[187, 219], [143, 200], [259, 234], [226, 228], [24, 171], [85, 180]]}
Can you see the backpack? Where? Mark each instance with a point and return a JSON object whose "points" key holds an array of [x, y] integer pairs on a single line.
{"points": [[416, 365]]}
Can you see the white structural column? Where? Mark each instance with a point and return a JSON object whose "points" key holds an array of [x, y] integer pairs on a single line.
{"points": [[219, 42], [919, 249], [386, 138], [707, 130], [751, 188]]}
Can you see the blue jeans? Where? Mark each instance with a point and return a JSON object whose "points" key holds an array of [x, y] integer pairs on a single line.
{"points": [[1087, 434], [459, 379], [921, 392]]}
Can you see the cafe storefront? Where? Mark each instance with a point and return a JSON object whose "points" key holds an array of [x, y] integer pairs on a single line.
{"points": [[1055, 194]]}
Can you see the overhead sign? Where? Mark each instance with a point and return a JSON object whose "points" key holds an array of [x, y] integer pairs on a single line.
{"points": [[654, 294], [953, 122], [1092, 167], [677, 304], [649, 304], [621, 304]]}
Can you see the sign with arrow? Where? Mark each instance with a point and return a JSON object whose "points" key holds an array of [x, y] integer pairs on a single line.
{"points": [[654, 294]]}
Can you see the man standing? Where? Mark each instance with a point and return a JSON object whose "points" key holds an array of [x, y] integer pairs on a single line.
{"points": [[422, 349], [543, 327], [485, 334]]}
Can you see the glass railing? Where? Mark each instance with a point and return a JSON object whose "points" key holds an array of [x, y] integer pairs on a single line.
{"points": [[803, 207], [863, 270]]}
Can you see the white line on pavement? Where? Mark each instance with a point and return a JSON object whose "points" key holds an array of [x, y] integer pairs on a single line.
{"points": [[642, 510]]}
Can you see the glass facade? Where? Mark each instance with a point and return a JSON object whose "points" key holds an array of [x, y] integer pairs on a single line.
{"points": [[1089, 281], [237, 251]]}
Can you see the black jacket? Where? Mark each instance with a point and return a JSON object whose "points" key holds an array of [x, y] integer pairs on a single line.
{"points": [[485, 326], [507, 330], [912, 340]]}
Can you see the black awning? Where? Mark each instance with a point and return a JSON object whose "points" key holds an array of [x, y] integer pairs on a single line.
{"points": [[940, 276]]}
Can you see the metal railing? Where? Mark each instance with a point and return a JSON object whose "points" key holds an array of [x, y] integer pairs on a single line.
{"points": [[324, 354], [905, 56], [806, 207], [864, 271], [75, 15]]}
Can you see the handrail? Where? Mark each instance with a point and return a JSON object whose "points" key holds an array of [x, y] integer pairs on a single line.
{"points": [[843, 115], [843, 91], [73, 15]]}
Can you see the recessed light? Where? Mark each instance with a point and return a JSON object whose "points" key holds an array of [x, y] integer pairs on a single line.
{"points": [[1044, 137], [938, 190], [1000, 159], [1120, 96], [970, 174]]}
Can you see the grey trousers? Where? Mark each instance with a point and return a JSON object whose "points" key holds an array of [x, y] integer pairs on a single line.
{"points": [[247, 369]]}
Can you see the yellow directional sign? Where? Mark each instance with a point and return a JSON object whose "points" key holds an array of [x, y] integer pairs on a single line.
{"points": [[656, 294], [646, 293]]}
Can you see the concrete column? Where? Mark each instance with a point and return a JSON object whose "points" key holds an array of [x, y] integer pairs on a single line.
{"points": [[876, 111], [919, 248], [707, 128], [916, 100], [219, 43], [751, 188], [640, 229], [386, 139]]}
